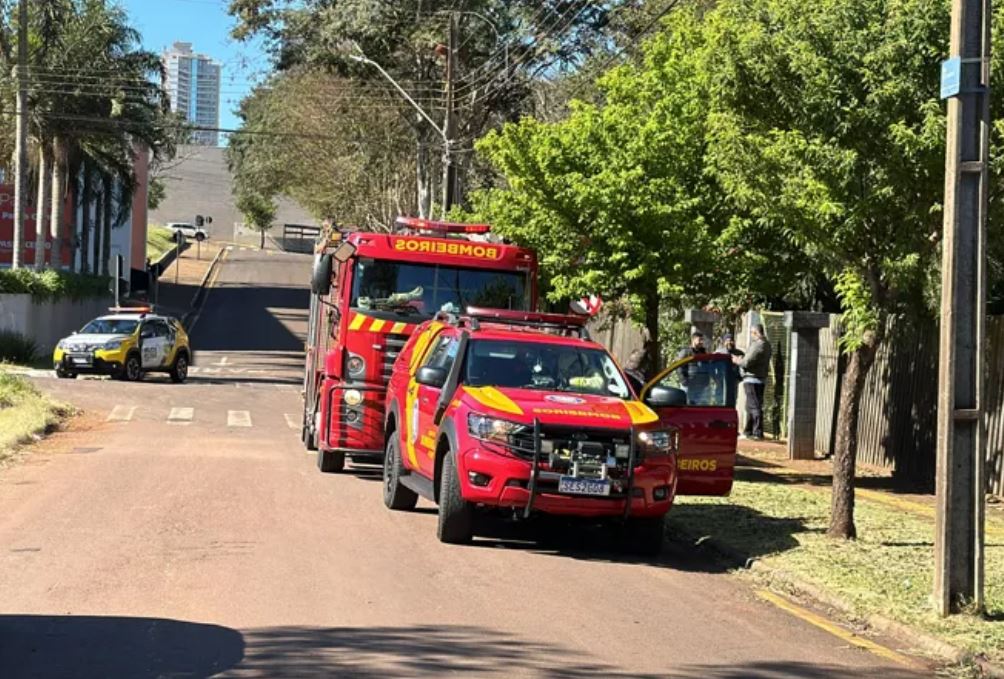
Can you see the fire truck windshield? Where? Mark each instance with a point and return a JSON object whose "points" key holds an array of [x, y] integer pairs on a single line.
{"points": [[376, 280]]}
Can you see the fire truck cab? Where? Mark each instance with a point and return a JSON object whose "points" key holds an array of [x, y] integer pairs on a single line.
{"points": [[369, 292]]}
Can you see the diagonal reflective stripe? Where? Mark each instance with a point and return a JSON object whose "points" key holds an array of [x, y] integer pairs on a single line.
{"points": [[357, 321]]}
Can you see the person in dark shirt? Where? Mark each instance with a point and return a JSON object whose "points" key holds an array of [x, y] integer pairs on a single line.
{"points": [[728, 346], [755, 366], [695, 347]]}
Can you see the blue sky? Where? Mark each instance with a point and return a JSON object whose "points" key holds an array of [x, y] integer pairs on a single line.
{"points": [[205, 24]]}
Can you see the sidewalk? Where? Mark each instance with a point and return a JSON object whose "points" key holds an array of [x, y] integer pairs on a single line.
{"points": [[175, 299], [776, 518]]}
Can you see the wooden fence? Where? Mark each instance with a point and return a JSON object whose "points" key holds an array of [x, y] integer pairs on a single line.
{"points": [[898, 419]]}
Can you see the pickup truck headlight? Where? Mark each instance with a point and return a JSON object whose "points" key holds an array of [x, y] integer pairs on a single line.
{"points": [[111, 345], [491, 429], [61, 344], [661, 442]]}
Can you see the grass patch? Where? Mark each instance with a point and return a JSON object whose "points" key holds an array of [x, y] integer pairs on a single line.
{"points": [[888, 570], [53, 285], [159, 239], [25, 412]]}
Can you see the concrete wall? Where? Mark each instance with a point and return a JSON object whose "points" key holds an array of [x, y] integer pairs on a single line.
{"points": [[47, 322], [199, 183]]}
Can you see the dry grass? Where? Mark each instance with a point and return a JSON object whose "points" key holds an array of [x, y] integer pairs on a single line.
{"points": [[25, 413], [888, 570]]}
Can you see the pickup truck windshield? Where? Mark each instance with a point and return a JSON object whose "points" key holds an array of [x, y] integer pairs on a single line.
{"points": [[548, 367], [385, 284]]}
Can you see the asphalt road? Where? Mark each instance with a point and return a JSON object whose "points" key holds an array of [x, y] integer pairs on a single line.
{"points": [[182, 531]]}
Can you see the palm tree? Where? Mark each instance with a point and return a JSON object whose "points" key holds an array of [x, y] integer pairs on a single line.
{"points": [[95, 97]]}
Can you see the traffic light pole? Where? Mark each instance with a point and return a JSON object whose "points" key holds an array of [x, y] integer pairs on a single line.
{"points": [[959, 530]]}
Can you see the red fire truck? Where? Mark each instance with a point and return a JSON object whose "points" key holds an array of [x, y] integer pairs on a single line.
{"points": [[370, 291]]}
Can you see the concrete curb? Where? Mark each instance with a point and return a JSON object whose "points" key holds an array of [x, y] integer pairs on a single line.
{"points": [[922, 641], [201, 290]]}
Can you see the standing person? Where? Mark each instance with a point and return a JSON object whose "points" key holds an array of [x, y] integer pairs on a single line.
{"points": [[754, 365], [633, 370], [695, 347], [728, 346]]}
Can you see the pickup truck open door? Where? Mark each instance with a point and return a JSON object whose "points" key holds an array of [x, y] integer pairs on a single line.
{"points": [[697, 395]]}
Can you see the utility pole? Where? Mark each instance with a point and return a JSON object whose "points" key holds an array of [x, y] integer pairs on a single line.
{"points": [[450, 124], [959, 530], [21, 134]]}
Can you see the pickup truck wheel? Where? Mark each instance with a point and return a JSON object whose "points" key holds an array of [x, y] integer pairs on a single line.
{"points": [[65, 374], [644, 536], [456, 516], [330, 461], [395, 495]]}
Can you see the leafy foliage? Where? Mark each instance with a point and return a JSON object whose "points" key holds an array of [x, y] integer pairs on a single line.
{"points": [[53, 285], [613, 197]]}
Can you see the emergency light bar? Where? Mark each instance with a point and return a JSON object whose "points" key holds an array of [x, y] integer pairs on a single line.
{"points": [[532, 319], [130, 309], [526, 317], [420, 224]]}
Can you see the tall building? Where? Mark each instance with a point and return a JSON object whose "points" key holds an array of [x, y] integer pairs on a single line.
{"points": [[193, 82]]}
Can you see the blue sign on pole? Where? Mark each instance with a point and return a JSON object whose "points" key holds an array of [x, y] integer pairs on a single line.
{"points": [[951, 77]]}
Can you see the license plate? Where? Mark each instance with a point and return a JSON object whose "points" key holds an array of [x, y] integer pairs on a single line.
{"points": [[81, 360], [570, 484]]}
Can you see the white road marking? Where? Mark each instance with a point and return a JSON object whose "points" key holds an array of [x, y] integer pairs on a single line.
{"points": [[181, 416], [223, 361], [238, 418], [291, 421], [121, 413]]}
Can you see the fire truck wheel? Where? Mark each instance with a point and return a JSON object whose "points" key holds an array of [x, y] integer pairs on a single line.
{"points": [[395, 496], [330, 461], [456, 517], [644, 536]]}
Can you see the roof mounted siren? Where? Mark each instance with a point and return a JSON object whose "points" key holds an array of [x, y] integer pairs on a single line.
{"points": [[428, 227]]}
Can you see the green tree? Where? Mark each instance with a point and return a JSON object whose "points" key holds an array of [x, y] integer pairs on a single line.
{"points": [[614, 198], [259, 212], [827, 134], [407, 38], [320, 150]]}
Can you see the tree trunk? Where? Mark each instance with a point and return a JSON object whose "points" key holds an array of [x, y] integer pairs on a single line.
{"points": [[845, 452], [56, 209], [43, 200], [98, 219], [653, 361], [85, 218], [106, 240], [261, 245]]}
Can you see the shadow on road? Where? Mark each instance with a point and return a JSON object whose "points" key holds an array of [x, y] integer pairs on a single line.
{"points": [[144, 648], [738, 533], [97, 646], [252, 318]]}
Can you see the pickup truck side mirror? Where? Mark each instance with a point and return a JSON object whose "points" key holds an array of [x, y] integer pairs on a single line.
{"points": [[431, 377], [665, 397]]}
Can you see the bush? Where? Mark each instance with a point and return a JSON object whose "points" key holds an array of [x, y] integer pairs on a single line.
{"points": [[16, 348], [52, 285]]}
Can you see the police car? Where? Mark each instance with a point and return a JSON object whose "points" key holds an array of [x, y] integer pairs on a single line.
{"points": [[126, 344]]}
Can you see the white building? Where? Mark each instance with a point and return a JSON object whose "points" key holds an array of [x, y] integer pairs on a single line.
{"points": [[193, 82]]}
